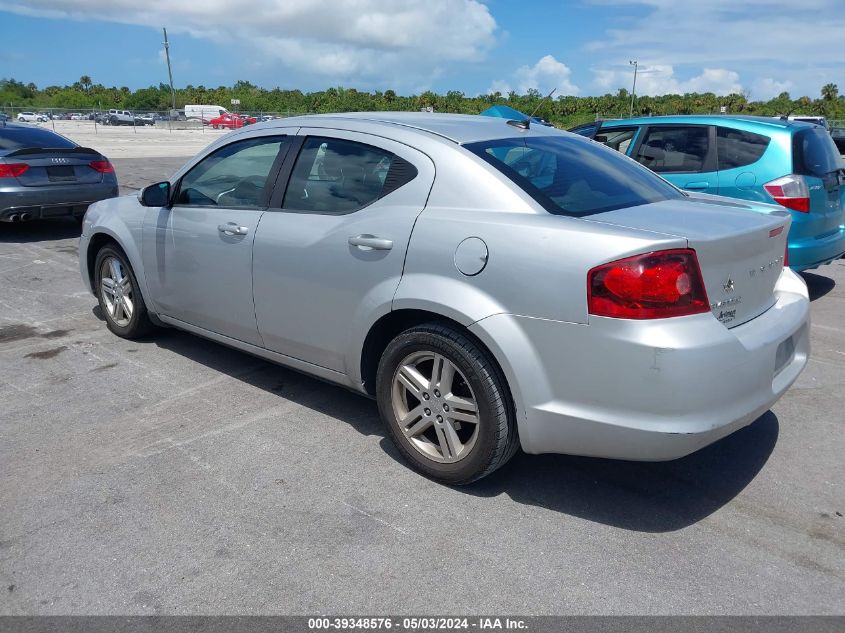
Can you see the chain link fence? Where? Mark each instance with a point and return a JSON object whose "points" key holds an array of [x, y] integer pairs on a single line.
{"points": [[139, 119]]}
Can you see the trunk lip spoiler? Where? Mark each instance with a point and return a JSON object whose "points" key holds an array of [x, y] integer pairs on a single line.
{"points": [[24, 151]]}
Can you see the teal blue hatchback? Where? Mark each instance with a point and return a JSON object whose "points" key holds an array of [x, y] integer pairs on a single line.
{"points": [[794, 164]]}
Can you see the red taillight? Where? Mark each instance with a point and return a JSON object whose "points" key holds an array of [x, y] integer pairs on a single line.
{"points": [[12, 170], [791, 192], [649, 286], [102, 166]]}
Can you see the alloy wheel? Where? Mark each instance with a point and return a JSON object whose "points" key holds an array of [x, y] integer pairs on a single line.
{"points": [[117, 291], [435, 407]]}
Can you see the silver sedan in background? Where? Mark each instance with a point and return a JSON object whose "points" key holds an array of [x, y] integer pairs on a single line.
{"points": [[493, 284]]}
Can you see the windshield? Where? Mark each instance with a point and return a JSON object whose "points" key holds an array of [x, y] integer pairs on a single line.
{"points": [[814, 153], [14, 138], [572, 176]]}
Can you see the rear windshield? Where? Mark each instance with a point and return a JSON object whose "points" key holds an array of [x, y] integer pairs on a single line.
{"points": [[14, 138], [572, 176], [814, 153]]}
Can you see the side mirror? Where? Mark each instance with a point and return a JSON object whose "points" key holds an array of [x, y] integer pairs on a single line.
{"points": [[157, 195]]}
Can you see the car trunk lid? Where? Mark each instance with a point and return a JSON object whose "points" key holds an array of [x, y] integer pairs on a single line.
{"points": [[56, 166], [740, 251], [816, 158]]}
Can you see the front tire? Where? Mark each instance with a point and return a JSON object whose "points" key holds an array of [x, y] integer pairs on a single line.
{"points": [[445, 404], [117, 292]]}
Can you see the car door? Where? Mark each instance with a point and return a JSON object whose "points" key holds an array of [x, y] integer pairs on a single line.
{"points": [[198, 253], [683, 154], [329, 252]]}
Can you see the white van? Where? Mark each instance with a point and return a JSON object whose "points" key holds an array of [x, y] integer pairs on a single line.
{"points": [[204, 112]]}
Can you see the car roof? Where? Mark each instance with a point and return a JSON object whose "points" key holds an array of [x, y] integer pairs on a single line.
{"points": [[712, 119], [457, 128]]}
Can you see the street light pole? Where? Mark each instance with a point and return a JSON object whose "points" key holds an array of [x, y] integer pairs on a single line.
{"points": [[633, 63], [169, 72]]}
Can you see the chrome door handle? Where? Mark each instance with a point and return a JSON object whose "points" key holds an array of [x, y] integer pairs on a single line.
{"points": [[372, 242], [230, 228]]}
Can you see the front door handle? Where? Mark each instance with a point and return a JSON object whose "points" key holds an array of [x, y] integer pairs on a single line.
{"points": [[230, 228], [371, 242], [697, 186]]}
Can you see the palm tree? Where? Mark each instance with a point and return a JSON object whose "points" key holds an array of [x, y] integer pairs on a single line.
{"points": [[830, 92], [86, 83]]}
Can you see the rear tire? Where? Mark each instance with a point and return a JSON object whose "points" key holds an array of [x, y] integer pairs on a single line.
{"points": [[117, 292], [445, 404]]}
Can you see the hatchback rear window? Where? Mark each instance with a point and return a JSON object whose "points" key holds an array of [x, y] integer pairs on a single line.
{"points": [[572, 176], [14, 138], [814, 153]]}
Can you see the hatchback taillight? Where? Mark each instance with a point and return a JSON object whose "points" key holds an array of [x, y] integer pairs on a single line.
{"points": [[790, 191], [102, 166], [649, 286], [12, 170]]}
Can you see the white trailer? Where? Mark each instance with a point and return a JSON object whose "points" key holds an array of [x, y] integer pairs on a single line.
{"points": [[204, 112]]}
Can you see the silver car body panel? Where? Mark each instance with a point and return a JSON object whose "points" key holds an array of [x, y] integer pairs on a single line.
{"points": [[653, 389]]}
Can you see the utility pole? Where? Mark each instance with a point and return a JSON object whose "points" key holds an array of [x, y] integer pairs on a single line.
{"points": [[633, 63], [169, 71]]}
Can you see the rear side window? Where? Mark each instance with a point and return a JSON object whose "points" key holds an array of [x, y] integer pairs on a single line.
{"points": [[675, 149], [14, 138], [737, 148], [814, 153], [338, 176], [571, 176]]}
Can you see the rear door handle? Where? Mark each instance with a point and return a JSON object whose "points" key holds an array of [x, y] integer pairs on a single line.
{"points": [[697, 186], [371, 241], [230, 228]]}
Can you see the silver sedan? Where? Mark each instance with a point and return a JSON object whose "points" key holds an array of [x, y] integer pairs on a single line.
{"points": [[493, 285]]}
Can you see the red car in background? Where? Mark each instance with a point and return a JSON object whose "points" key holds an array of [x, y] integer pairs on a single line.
{"points": [[231, 121]]}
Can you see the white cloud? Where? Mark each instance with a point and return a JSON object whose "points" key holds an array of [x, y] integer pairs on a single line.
{"points": [[369, 40], [660, 79], [766, 88], [546, 74], [500, 86], [801, 42]]}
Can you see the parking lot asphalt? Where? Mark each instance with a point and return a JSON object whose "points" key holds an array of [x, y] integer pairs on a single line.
{"points": [[172, 475]]}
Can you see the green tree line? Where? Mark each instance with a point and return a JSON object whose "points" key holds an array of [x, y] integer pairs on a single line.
{"points": [[563, 110]]}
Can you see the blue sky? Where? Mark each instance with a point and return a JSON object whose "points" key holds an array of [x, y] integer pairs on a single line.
{"points": [[581, 47]]}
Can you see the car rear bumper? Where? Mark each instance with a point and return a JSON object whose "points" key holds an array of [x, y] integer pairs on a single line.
{"points": [[32, 203], [647, 390], [814, 252]]}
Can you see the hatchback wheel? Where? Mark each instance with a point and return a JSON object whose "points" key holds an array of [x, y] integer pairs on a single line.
{"points": [[445, 404], [117, 291]]}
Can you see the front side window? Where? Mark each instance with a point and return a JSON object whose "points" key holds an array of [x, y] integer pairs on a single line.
{"points": [[617, 138], [571, 176], [333, 175], [737, 148], [675, 149], [233, 176]]}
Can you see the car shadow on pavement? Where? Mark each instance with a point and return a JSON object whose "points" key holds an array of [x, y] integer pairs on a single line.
{"points": [[360, 412], [639, 496], [39, 230], [818, 285]]}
